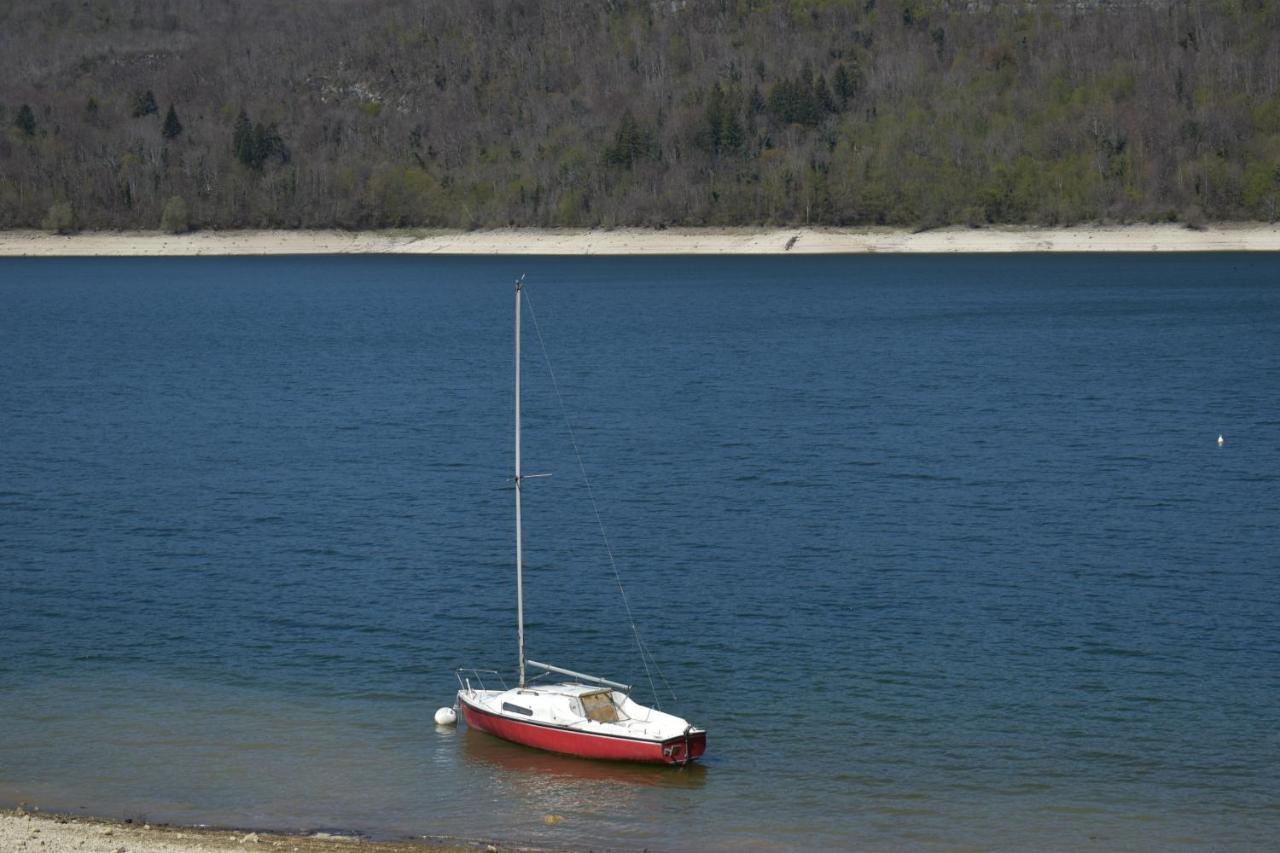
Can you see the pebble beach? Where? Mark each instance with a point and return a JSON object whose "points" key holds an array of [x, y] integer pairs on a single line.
{"points": [[22, 832]]}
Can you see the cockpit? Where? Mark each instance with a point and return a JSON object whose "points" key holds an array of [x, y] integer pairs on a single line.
{"points": [[600, 706]]}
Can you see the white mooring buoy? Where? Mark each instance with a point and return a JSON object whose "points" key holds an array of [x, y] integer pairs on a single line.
{"points": [[446, 717], [1221, 441]]}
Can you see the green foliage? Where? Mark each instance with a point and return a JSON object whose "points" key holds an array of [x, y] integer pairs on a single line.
{"points": [[800, 100], [175, 219], [1266, 115], [846, 83], [172, 127], [821, 92], [1261, 190], [571, 209], [734, 137], [255, 145], [404, 196], [268, 144], [25, 121], [723, 132], [631, 144], [60, 219], [242, 140], [144, 104]]}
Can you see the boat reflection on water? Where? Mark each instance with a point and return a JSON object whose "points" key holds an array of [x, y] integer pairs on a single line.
{"points": [[550, 799], [548, 771]]}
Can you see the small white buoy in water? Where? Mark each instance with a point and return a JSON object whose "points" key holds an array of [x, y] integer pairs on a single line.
{"points": [[446, 717], [1220, 441]]}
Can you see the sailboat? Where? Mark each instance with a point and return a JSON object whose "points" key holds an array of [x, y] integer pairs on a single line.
{"points": [[582, 715]]}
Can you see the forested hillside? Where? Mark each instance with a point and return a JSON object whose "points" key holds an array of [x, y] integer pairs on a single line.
{"points": [[480, 113]]}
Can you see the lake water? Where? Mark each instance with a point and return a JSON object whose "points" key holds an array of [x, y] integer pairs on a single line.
{"points": [[941, 550]]}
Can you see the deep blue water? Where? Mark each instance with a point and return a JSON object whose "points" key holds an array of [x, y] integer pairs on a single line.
{"points": [[941, 550]]}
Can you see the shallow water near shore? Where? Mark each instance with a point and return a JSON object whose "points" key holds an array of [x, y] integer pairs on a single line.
{"points": [[941, 550]]}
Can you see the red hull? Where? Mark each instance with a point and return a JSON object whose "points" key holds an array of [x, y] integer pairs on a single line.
{"points": [[677, 750]]}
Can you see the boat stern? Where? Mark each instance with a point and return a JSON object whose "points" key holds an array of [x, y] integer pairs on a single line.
{"points": [[686, 747]]}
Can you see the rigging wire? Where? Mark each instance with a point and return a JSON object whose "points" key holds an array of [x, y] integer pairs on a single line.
{"points": [[645, 655]]}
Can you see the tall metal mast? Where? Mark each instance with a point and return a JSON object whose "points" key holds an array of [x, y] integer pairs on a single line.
{"points": [[519, 537]]}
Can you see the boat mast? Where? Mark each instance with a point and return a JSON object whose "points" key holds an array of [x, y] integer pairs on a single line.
{"points": [[519, 537]]}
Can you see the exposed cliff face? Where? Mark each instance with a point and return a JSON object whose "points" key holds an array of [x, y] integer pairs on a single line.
{"points": [[323, 113]]}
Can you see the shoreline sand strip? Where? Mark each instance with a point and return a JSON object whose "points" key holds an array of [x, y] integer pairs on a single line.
{"points": [[1242, 237]]}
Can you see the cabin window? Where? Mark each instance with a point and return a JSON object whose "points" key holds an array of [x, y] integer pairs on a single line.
{"points": [[516, 709], [600, 707]]}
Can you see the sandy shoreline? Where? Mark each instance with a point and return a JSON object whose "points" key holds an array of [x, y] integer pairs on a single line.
{"points": [[50, 833], [1242, 237]]}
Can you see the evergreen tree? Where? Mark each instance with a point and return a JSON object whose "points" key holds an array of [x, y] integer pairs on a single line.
{"points": [[255, 144], [823, 95], [172, 127], [267, 143], [26, 120], [631, 143], [794, 101], [144, 104], [735, 137], [840, 85], [716, 115], [780, 99], [846, 83], [242, 141]]}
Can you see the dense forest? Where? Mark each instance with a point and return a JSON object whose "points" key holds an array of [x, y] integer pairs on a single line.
{"points": [[484, 113]]}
